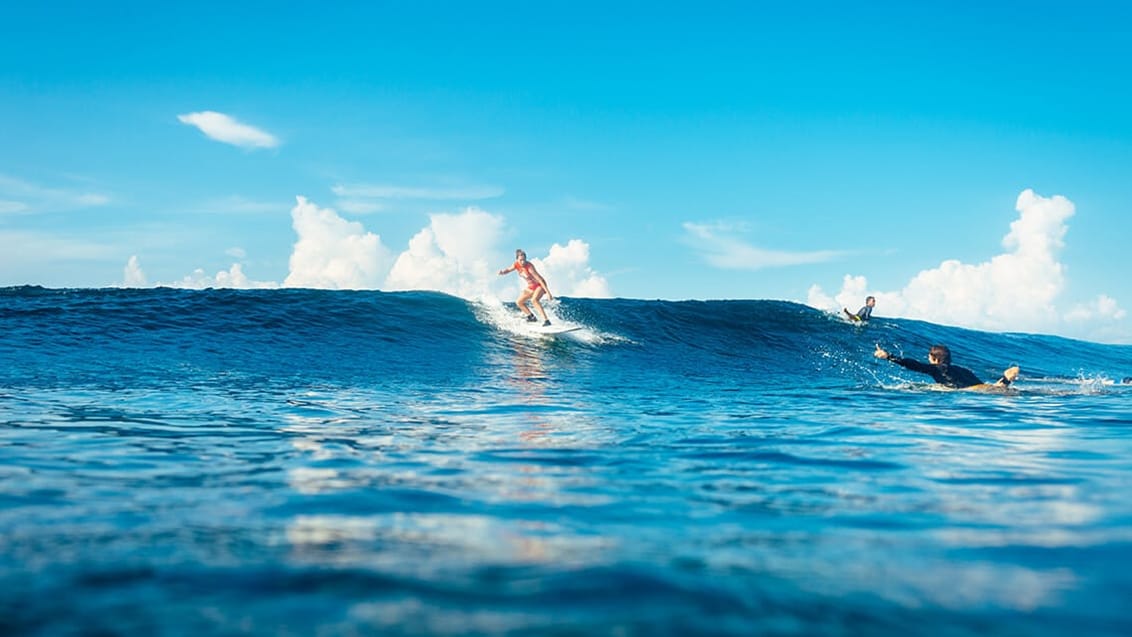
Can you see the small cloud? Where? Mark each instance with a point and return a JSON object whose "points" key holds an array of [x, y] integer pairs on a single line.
{"points": [[228, 130], [233, 277], [719, 248], [132, 274], [388, 191], [360, 207], [1103, 307], [236, 204], [92, 200], [20, 196], [585, 205], [238, 253], [11, 207], [364, 199], [35, 249]]}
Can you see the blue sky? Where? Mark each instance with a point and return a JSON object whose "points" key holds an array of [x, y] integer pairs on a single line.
{"points": [[968, 163]]}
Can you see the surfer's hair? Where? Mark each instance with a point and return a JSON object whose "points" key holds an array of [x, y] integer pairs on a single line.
{"points": [[941, 354], [519, 251]]}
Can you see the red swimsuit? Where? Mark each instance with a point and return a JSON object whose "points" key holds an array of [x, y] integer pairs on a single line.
{"points": [[524, 270]]}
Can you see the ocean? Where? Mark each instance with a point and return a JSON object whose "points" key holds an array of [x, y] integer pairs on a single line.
{"points": [[309, 462]]}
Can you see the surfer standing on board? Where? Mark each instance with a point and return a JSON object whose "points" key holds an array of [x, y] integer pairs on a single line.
{"points": [[536, 286], [939, 367], [863, 314]]}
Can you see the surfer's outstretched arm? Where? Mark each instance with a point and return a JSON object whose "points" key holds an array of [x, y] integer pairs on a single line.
{"points": [[1008, 376]]}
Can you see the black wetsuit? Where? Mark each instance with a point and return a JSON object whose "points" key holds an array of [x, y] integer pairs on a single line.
{"points": [[950, 375], [864, 314]]}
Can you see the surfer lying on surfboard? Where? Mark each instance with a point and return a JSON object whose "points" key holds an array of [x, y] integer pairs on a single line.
{"points": [[536, 287], [939, 367]]}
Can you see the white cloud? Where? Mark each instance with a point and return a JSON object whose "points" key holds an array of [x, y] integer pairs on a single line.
{"points": [[20, 196], [226, 129], [233, 277], [1101, 320], [134, 277], [457, 254], [8, 207], [37, 249], [1013, 291], [360, 207], [719, 249], [364, 199], [238, 253], [388, 191], [567, 271], [132, 274], [585, 205], [236, 204], [90, 199], [1103, 307], [450, 255], [333, 253]]}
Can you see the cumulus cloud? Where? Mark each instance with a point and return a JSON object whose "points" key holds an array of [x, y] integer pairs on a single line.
{"points": [[1013, 291], [226, 129], [233, 277], [132, 274], [567, 270], [456, 253], [332, 252], [718, 246], [450, 255]]}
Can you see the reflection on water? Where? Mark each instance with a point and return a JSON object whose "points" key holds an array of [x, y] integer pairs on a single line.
{"points": [[530, 484], [440, 540]]}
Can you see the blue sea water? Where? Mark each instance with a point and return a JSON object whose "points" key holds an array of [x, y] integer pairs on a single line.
{"points": [[301, 462]]}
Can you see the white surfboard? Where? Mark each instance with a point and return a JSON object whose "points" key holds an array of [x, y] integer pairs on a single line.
{"points": [[552, 330]]}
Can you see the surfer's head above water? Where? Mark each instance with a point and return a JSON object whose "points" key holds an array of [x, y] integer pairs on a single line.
{"points": [[939, 355]]}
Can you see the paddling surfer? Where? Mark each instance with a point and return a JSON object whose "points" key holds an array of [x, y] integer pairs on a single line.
{"points": [[536, 287], [941, 370]]}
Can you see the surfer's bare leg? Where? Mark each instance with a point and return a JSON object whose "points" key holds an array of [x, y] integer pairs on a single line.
{"points": [[1008, 376], [524, 296], [538, 305]]}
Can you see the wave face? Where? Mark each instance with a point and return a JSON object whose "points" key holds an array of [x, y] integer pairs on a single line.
{"points": [[305, 461]]}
